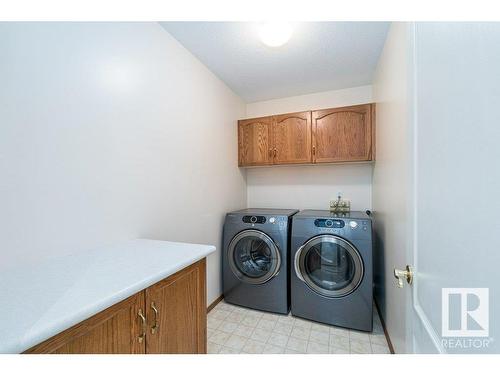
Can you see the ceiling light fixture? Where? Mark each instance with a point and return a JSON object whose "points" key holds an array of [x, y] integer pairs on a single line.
{"points": [[275, 34]]}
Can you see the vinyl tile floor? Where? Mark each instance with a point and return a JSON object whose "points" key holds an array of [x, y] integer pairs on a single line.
{"points": [[236, 330]]}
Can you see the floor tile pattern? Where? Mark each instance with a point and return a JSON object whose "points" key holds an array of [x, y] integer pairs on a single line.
{"points": [[236, 330]]}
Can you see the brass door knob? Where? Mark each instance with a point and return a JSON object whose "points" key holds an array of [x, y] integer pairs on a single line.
{"points": [[402, 275]]}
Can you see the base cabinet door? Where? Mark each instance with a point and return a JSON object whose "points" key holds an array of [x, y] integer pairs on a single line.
{"points": [[176, 313], [116, 330], [168, 317]]}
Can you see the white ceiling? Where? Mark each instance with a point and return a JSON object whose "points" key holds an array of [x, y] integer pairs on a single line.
{"points": [[320, 56]]}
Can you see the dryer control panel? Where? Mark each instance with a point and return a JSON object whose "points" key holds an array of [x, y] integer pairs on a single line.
{"points": [[329, 223], [349, 228]]}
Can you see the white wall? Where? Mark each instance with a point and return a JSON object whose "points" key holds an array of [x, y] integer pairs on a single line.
{"points": [[111, 131], [391, 180], [311, 186]]}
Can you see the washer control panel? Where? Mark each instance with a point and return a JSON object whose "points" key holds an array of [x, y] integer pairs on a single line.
{"points": [[254, 219]]}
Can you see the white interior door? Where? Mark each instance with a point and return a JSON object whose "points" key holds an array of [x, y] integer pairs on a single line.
{"points": [[456, 203]]}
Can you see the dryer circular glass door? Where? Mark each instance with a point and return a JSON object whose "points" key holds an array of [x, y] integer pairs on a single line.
{"points": [[253, 257], [329, 265]]}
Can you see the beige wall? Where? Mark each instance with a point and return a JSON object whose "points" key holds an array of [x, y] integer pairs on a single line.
{"points": [[391, 179], [111, 131], [311, 186]]}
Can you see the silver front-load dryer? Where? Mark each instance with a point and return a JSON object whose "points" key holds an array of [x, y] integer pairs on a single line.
{"points": [[332, 280], [255, 259]]}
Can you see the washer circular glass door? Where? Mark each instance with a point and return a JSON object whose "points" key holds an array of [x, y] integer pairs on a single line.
{"points": [[329, 265], [253, 257]]}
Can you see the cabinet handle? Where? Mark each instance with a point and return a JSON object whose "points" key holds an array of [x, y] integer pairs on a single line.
{"points": [[143, 324], [155, 323], [275, 152], [314, 150]]}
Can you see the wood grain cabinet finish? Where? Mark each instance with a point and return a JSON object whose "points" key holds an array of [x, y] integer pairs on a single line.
{"points": [[255, 142], [178, 326], [112, 331], [177, 313], [292, 138], [335, 135], [343, 134]]}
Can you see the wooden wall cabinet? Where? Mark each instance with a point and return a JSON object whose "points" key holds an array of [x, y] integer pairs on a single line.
{"points": [[283, 139], [334, 135], [343, 134], [292, 138], [168, 317], [255, 141]]}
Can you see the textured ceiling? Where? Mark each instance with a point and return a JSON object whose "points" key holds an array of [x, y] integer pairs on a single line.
{"points": [[320, 56]]}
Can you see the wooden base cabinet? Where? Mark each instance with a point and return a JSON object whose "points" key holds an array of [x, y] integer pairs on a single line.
{"points": [[169, 317], [177, 312]]}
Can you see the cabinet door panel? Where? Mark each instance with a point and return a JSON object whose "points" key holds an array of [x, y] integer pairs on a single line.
{"points": [[292, 138], [181, 319], [112, 331], [343, 134], [254, 142]]}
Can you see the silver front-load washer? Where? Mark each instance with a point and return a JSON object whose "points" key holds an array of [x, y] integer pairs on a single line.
{"points": [[255, 259]]}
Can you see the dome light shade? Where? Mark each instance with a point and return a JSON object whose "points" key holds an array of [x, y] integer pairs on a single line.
{"points": [[275, 34]]}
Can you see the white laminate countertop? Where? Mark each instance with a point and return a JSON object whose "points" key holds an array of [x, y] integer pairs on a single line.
{"points": [[39, 301]]}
